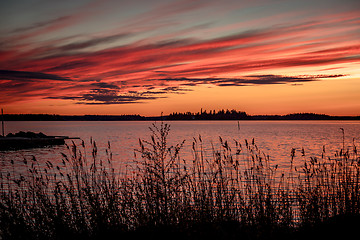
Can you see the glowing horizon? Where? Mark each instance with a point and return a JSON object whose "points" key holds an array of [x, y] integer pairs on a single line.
{"points": [[114, 57]]}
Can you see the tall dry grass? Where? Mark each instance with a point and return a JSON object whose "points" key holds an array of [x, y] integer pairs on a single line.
{"points": [[238, 186]]}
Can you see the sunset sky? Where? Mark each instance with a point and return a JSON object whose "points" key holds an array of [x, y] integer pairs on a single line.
{"points": [[151, 56]]}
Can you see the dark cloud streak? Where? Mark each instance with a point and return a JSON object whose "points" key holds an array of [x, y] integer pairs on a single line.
{"points": [[101, 96], [250, 80], [92, 42], [106, 93], [28, 76], [38, 25], [71, 65]]}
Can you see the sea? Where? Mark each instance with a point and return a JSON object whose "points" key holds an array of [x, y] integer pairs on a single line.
{"points": [[275, 139]]}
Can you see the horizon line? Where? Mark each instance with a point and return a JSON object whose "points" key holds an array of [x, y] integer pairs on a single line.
{"points": [[186, 112]]}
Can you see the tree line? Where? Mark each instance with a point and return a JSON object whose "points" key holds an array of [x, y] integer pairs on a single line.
{"points": [[211, 115], [202, 115]]}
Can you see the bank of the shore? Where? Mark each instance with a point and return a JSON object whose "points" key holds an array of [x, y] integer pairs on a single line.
{"points": [[187, 116]]}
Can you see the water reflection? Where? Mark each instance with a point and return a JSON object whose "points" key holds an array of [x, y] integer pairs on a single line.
{"points": [[274, 138]]}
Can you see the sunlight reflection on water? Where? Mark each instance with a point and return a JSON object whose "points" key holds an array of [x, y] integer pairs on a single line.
{"points": [[274, 138]]}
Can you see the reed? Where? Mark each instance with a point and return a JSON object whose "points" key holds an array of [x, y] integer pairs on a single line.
{"points": [[235, 191]]}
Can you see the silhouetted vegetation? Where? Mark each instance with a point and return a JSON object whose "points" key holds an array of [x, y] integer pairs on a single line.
{"points": [[239, 115], [202, 115], [212, 115], [303, 116], [55, 117], [235, 193]]}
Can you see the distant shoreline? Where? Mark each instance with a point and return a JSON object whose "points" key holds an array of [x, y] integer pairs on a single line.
{"points": [[176, 117]]}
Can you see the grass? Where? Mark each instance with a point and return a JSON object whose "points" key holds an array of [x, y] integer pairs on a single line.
{"points": [[235, 193]]}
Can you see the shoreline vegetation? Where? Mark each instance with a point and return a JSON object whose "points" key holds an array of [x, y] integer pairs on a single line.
{"points": [[188, 116], [237, 193]]}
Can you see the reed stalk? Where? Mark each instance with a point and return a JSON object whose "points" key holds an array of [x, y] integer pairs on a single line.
{"points": [[237, 185]]}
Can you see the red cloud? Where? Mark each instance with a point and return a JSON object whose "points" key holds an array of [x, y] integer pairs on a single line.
{"points": [[133, 67]]}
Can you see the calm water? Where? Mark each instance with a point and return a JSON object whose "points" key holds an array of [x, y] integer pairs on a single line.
{"points": [[275, 138]]}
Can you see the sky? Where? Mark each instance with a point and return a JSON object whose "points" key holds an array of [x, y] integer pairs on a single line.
{"points": [[148, 57]]}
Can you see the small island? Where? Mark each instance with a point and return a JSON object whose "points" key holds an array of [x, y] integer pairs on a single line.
{"points": [[24, 140]]}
